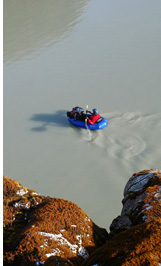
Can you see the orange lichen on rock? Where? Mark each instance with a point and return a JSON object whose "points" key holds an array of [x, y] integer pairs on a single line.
{"points": [[55, 227], [42, 230], [140, 245], [136, 233], [152, 203], [16, 198]]}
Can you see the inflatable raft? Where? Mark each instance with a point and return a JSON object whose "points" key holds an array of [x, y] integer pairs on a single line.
{"points": [[77, 118]]}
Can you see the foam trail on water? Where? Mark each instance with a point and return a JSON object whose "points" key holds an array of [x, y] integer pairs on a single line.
{"points": [[89, 135], [130, 134]]}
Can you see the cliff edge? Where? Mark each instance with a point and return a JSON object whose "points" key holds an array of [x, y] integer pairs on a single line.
{"points": [[135, 235], [40, 230], [38, 227]]}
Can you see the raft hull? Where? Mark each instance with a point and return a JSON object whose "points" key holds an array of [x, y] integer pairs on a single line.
{"points": [[82, 124]]}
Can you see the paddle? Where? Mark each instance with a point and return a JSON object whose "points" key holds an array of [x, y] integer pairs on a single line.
{"points": [[86, 114]]}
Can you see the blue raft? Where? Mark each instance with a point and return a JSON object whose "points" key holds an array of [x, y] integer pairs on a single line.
{"points": [[98, 125]]}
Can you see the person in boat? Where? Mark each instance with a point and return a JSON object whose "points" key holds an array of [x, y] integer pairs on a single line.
{"points": [[94, 116], [76, 113]]}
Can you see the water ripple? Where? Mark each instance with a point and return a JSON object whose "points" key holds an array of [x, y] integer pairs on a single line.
{"points": [[129, 134]]}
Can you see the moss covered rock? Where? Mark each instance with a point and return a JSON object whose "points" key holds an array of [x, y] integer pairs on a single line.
{"points": [[135, 237], [140, 245], [47, 230]]}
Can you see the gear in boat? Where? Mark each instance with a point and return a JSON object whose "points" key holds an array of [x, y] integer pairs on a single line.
{"points": [[88, 119]]}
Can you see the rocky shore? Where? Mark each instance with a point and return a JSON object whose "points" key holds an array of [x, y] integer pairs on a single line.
{"points": [[40, 230]]}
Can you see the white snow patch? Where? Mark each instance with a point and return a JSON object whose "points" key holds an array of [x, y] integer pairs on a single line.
{"points": [[62, 230], [21, 192], [77, 248], [55, 252], [35, 193], [73, 225], [61, 240], [22, 205], [87, 219], [82, 251]]}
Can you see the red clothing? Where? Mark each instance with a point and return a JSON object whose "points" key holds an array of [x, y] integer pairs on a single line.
{"points": [[93, 119]]}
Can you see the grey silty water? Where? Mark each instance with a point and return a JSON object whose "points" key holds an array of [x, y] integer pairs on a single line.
{"points": [[104, 54]]}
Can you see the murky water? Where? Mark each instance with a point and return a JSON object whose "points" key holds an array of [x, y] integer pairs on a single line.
{"points": [[58, 54]]}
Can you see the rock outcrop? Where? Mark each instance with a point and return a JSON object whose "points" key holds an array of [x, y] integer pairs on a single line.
{"points": [[46, 230], [16, 198], [137, 246], [141, 202], [135, 237]]}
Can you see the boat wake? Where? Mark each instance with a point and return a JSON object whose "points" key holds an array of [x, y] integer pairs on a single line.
{"points": [[128, 134], [90, 135]]}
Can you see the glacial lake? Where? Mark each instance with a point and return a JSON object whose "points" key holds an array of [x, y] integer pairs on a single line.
{"points": [[59, 54]]}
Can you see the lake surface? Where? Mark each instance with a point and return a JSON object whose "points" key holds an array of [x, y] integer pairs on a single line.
{"points": [[104, 54]]}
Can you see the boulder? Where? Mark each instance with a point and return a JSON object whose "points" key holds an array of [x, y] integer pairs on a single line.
{"points": [[141, 202], [17, 198], [139, 245], [135, 237], [46, 230]]}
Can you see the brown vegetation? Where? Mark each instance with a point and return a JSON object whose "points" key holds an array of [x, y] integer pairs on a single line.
{"points": [[140, 245], [51, 231], [55, 226]]}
